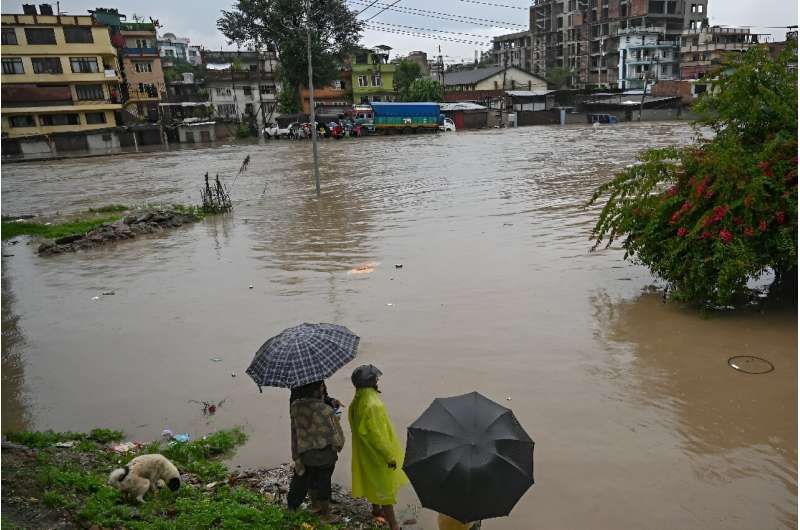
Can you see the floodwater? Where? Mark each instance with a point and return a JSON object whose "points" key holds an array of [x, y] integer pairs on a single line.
{"points": [[639, 421]]}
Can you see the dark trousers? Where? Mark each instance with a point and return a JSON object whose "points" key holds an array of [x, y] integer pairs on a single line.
{"points": [[315, 478]]}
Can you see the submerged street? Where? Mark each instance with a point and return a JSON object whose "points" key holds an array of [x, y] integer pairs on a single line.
{"points": [[638, 419]]}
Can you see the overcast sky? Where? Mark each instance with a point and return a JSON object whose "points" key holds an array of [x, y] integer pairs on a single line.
{"points": [[197, 20]]}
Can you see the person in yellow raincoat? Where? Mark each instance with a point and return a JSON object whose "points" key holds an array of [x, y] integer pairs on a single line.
{"points": [[377, 454]]}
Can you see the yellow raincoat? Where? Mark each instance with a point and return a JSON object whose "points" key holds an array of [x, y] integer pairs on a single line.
{"points": [[374, 446]]}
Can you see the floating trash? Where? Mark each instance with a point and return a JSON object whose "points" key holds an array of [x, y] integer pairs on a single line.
{"points": [[67, 444], [251, 287], [750, 364], [364, 268], [398, 265], [216, 359], [95, 298], [108, 293]]}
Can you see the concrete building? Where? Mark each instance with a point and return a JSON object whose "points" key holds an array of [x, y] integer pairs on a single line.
{"points": [[702, 50], [514, 49], [646, 56], [172, 48], [486, 84], [241, 85], [334, 99], [421, 58], [373, 75], [583, 36], [143, 77], [60, 75]]}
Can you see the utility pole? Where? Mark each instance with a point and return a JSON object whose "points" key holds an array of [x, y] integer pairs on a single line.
{"points": [[311, 96]]}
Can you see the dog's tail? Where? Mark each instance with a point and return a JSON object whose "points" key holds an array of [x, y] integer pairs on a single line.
{"points": [[118, 475]]}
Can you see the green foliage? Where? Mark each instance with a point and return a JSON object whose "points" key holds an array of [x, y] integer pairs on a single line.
{"points": [[406, 72], [288, 100], [709, 217], [423, 90], [559, 77], [179, 67], [55, 230], [280, 25], [41, 439]]}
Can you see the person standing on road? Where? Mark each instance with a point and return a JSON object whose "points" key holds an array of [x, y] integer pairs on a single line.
{"points": [[377, 454], [317, 438]]}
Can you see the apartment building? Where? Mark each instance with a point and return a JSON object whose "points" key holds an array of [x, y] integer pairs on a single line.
{"points": [[583, 36], [241, 85], [60, 74], [702, 50], [373, 75], [514, 49], [143, 77], [172, 49], [646, 55]]}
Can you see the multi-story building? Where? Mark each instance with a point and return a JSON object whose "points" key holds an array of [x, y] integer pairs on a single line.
{"points": [[646, 56], [702, 50], [421, 58], [583, 36], [241, 85], [373, 75], [60, 74], [514, 49], [334, 99], [143, 76], [172, 48]]}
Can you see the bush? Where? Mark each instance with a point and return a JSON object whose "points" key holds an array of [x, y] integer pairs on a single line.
{"points": [[709, 217]]}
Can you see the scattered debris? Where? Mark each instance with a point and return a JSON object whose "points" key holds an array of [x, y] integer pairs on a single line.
{"points": [[251, 286], [389, 304], [109, 293], [233, 374], [95, 298], [209, 408], [66, 444], [398, 265], [182, 438], [364, 268], [124, 447], [216, 198], [216, 359], [508, 398]]}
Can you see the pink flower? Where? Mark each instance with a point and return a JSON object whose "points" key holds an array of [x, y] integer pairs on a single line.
{"points": [[682, 231], [780, 217], [762, 225], [671, 192], [766, 169], [748, 201], [720, 212], [706, 234], [709, 193], [725, 236], [748, 231]]}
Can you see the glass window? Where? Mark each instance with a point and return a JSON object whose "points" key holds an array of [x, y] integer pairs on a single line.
{"points": [[266, 89], [248, 108], [247, 90], [361, 58], [23, 121], [142, 43], [362, 81], [13, 65], [93, 118], [89, 92], [9, 36], [143, 66], [81, 65], [376, 80], [46, 65], [77, 34], [40, 35], [59, 119]]}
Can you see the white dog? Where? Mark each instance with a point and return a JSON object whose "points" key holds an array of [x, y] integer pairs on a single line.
{"points": [[144, 473]]}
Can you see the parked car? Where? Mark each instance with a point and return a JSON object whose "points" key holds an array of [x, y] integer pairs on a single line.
{"points": [[447, 125], [274, 130]]}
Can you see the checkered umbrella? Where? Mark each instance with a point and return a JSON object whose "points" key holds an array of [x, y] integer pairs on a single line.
{"points": [[303, 354]]}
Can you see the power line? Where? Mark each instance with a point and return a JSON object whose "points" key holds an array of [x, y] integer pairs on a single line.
{"points": [[435, 30], [371, 4], [493, 5], [382, 10], [426, 35], [448, 16]]}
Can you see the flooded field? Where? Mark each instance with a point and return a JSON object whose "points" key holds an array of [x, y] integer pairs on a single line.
{"points": [[639, 422]]}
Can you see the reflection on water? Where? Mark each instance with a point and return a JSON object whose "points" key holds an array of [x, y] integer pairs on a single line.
{"points": [[637, 418], [15, 413]]}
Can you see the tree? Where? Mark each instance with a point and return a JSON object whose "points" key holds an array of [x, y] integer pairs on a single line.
{"points": [[288, 102], [423, 90], [405, 74], [559, 77], [179, 67], [709, 217], [280, 25]]}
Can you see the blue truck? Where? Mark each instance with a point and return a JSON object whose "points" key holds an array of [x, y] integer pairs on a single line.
{"points": [[406, 117]]}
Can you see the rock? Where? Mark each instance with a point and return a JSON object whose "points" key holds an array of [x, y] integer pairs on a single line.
{"points": [[68, 239]]}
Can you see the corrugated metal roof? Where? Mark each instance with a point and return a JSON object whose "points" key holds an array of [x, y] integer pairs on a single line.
{"points": [[528, 93], [460, 105], [468, 77]]}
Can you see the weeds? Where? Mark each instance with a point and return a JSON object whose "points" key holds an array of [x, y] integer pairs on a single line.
{"points": [[55, 230]]}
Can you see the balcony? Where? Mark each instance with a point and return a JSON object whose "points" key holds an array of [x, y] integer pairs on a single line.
{"points": [[139, 52], [717, 46], [242, 75], [23, 95]]}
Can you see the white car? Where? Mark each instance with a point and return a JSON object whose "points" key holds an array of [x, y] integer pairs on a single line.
{"points": [[448, 125], [276, 131]]}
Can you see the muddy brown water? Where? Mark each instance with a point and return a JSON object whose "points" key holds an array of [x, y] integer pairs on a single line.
{"points": [[639, 421]]}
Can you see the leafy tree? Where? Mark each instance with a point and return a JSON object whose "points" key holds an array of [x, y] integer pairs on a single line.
{"points": [[405, 74], [288, 100], [559, 77], [179, 67], [280, 25], [423, 90], [711, 216]]}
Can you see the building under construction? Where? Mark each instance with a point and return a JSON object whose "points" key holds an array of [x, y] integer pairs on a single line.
{"points": [[583, 36]]}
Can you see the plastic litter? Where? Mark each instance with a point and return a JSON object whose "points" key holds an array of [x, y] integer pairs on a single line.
{"points": [[398, 265], [251, 287], [364, 268], [95, 298], [108, 293], [166, 433], [67, 444], [216, 359], [389, 304], [124, 447], [182, 438]]}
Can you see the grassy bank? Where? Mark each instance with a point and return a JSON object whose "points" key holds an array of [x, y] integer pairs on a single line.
{"points": [[84, 222], [68, 484]]}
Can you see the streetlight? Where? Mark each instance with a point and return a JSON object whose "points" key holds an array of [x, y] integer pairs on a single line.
{"points": [[311, 95]]}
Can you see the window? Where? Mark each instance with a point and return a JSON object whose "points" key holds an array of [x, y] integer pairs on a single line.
{"points": [[149, 89], [143, 66], [376, 79], [58, 119], [362, 79], [84, 65], [142, 43], [89, 92], [223, 91], [23, 121], [40, 35], [77, 34], [93, 118], [247, 90], [253, 67], [266, 89], [226, 110], [361, 58], [169, 53], [248, 108], [46, 65], [13, 65], [9, 36], [339, 84]]}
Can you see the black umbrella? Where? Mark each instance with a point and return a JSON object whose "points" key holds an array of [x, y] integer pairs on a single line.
{"points": [[469, 458]]}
